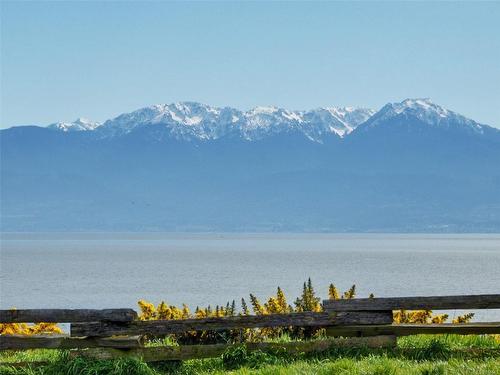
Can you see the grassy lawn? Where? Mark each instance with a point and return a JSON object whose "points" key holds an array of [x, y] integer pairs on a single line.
{"points": [[437, 354]]}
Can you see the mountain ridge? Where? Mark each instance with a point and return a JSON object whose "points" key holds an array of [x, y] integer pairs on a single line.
{"points": [[410, 167], [201, 122], [189, 120]]}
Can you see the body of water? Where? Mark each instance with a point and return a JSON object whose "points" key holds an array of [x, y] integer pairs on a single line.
{"points": [[116, 270]]}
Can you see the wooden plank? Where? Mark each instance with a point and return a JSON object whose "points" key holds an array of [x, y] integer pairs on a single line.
{"points": [[186, 352], [416, 329], [22, 342], [484, 301], [166, 327], [66, 315]]}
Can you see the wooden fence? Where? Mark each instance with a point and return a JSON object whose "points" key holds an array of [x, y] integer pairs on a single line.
{"points": [[112, 333]]}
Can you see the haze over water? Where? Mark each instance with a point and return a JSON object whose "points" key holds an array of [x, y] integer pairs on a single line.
{"points": [[103, 270]]}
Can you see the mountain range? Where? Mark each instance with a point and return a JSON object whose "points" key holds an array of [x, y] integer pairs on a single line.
{"points": [[411, 166], [195, 121]]}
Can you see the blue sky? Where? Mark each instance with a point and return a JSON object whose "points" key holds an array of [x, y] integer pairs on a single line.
{"points": [[63, 60]]}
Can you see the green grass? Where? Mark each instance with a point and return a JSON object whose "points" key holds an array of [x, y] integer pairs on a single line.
{"points": [[436, 354]]}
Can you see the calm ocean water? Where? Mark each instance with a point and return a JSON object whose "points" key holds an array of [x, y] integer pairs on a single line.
{"points": [[116, 270]]}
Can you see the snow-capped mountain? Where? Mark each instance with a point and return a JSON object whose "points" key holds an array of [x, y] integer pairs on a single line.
{"points": [[80, 124], [424, 112], [186, 120], [411, 167], [195, 121], [200, 122], [340, 121]]}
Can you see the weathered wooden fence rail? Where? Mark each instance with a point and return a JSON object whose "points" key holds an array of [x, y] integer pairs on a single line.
{"points": [[112, 333], [186, 352], [21, 342], [481, 301], [166, 327], [415, 329], [66, 315]]}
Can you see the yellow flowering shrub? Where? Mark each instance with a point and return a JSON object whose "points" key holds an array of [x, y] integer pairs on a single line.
{"points": [[418, 317], [29, 329], [466, 318], [276, 304]]}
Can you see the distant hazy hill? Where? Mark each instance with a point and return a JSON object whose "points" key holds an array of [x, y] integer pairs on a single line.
{"points": [[412, 166]]}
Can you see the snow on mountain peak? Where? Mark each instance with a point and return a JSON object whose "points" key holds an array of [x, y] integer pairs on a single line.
{"points": [[263, 110], [427, 112], [338, 120], [191, 120], [80, 124], [423, 105], [196, 121]]}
